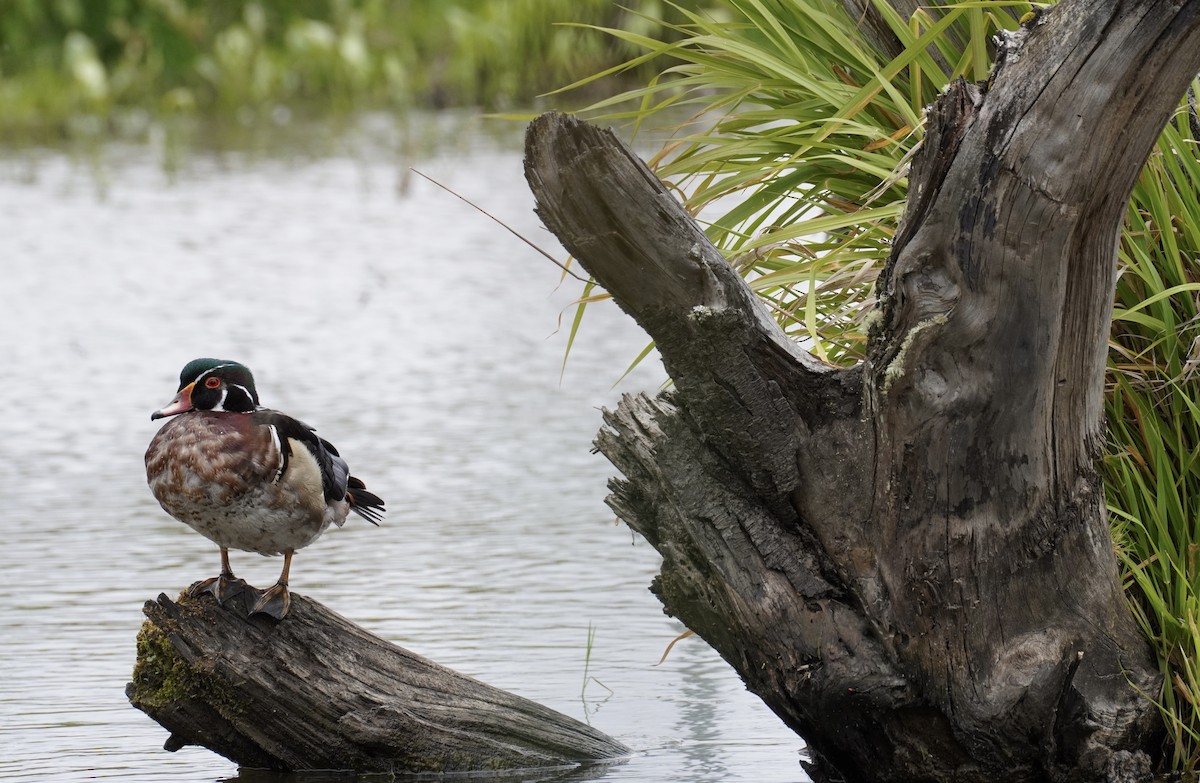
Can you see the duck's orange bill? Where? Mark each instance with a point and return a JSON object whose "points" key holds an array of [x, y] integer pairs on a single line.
{"points": [[181, 404]]}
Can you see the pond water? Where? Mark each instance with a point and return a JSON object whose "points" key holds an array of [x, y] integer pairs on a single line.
{"points": [[419, 337]]}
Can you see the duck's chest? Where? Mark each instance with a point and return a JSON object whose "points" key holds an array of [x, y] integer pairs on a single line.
{"points": [[219, 475]]}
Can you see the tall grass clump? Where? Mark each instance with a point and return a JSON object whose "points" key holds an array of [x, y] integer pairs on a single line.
{"points": [[792, 132], [795, 132], [1152, 471]]}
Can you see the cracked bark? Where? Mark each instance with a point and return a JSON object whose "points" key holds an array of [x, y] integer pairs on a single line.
{"points": [[908, 560]]}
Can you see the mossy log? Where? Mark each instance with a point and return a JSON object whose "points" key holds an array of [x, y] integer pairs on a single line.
{"points": [[315, 691]]}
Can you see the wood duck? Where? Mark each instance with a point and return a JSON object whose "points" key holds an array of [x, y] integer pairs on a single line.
{"points": [[246, 477]]}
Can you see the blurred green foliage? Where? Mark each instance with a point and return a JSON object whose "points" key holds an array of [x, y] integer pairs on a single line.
{"points": [[60, 59]]}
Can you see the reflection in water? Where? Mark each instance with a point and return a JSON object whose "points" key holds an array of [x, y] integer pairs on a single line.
{"points": [[573, 774], [420, 337]]}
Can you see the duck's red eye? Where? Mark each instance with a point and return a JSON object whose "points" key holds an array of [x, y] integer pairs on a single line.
{"points": [[212, 382]]}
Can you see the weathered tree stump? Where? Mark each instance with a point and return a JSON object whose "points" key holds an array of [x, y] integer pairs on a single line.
{"points": [[315, 691], [908, 560]]}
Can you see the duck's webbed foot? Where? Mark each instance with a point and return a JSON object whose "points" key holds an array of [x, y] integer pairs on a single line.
{"points": [[273, 602], [221, 587]]}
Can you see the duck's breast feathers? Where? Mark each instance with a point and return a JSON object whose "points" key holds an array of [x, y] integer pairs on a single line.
{"points": [[214, 443], [201, 457]]}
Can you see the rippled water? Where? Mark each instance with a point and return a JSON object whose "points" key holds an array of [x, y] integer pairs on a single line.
{"points": [[417, 336]]}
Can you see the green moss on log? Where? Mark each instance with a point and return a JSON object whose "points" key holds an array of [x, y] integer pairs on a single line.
{"points": [[163, 676]]}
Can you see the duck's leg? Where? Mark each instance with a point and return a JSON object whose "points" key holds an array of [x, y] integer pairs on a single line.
{"points": [[275, 601], [220, 587]]}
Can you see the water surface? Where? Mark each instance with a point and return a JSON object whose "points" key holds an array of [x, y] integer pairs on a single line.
{"points": [[417, 336]]}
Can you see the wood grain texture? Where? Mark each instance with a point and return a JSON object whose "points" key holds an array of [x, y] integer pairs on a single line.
{"points": [[907, 560], [314, 691]]}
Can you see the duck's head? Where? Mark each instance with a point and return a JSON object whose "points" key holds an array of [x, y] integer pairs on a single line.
{"points": [[212, 385]]}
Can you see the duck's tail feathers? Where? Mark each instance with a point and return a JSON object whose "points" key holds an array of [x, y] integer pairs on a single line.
{"points": [[367, 505]]}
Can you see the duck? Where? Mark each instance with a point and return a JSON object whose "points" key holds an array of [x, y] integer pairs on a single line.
{"points": [[247, 477]]}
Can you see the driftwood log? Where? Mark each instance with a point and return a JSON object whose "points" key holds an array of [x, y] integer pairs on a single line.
{"points": [[314, 691], [909, 560]]}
